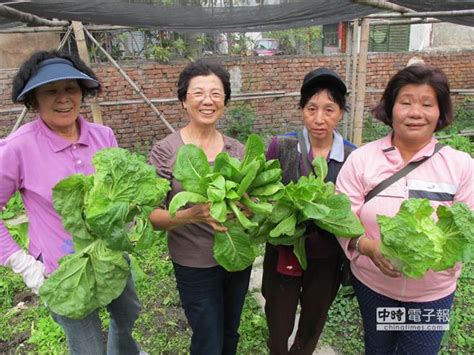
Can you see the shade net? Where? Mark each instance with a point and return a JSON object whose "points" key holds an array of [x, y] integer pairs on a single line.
{"points": [[220, 15]]}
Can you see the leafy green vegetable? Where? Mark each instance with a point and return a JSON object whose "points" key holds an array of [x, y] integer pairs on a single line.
{"points": [[233, 249], [226, 186], [106, 214], [280, 213], [416, 243], [311, 200]]}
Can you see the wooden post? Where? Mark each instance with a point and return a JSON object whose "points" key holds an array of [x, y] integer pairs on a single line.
{"points": [[84, 54], [361, 80], [355, 51]]}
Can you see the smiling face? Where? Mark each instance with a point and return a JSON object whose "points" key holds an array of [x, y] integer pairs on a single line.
{"points": [[415, 115], [58, 104], [321, 115], [205, 99]]}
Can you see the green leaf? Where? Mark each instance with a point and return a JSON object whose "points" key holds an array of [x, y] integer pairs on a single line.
{"points": [[266, 177], [248, 178], [233, 249], [321, 167], [68, 199], [219, 211], [411, 238], [227, 167], [217, 189], [86, 281], [260, 208], [183, 198], [340, 220], [267, 190], [254, 148], [300, 252], [191, 168], [315, 210], [286, 226], [243, 220]]}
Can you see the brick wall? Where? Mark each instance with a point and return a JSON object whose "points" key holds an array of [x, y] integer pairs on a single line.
{"points": [[136, 126]]}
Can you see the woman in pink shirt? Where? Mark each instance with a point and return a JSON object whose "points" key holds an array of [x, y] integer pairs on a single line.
{"points": [[416, 103], [58, 143]]}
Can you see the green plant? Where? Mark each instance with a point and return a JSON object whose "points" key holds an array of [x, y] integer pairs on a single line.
{"points": [[296, 40], [461, 143], [240, 120], [310, 199], [224, 185], [416, 243], [13, 208], [47, 336], [107, 214], [373, 129]]}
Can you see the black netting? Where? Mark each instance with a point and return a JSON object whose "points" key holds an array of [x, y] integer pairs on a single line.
{"points": [[222, 15]]}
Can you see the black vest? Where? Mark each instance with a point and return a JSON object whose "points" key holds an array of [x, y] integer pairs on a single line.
{"points": [[290, 160]]}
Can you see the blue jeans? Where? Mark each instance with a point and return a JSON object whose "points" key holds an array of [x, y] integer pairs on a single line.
{"points": [[85, 335], [212, 299], [400, 342]]}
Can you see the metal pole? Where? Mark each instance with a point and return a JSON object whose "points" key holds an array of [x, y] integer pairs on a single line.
{"points": [[130, 81]]}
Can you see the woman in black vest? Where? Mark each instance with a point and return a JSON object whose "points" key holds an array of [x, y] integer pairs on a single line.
{"points": [[322, 105]]}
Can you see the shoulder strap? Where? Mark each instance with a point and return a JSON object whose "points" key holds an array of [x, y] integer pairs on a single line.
{"points": [[399, 174], [304, 152]]}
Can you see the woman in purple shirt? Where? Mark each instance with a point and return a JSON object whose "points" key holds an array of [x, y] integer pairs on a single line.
{"points": [[58, 143]]}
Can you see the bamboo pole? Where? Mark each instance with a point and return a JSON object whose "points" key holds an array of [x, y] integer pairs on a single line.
{"points": [[383, 5], [424, 14], [130, 81], [413, 21], [25, 109], [355, 49], [84, 54], [361, 80], [62, 29], [349, 52], [11, 13]]}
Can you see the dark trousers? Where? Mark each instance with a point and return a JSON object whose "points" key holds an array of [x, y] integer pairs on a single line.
{"points": [[401, 342], [212, 299], [315, 290]]}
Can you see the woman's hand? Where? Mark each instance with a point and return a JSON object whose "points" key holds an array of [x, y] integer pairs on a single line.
{"points": [[202, 213], [371, 248]]}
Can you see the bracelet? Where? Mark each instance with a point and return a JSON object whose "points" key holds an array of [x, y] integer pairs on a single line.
{"points": [[357, 243]]}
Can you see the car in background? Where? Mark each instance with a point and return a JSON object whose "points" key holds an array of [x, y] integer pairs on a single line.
{"points": [[267, 46]]}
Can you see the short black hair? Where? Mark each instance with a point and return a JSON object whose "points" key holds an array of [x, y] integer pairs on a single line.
{"points": [[203, 67], [334, 94], [31, 66], [417, 74]]}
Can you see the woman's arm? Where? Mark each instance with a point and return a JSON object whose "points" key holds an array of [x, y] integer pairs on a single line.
{"points": [[161, 218]]}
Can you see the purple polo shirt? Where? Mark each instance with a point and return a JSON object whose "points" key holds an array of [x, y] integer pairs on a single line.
{"points": [[32, 160]]}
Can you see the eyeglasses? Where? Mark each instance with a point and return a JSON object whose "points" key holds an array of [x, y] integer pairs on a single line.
{"points": [[201, 95]]}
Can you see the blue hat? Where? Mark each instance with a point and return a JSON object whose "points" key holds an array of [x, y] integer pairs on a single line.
{"points": [[55, 69]]}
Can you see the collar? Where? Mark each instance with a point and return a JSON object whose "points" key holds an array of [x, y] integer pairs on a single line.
{"points": [[390, 150], [57, 142], [337, 149]]}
